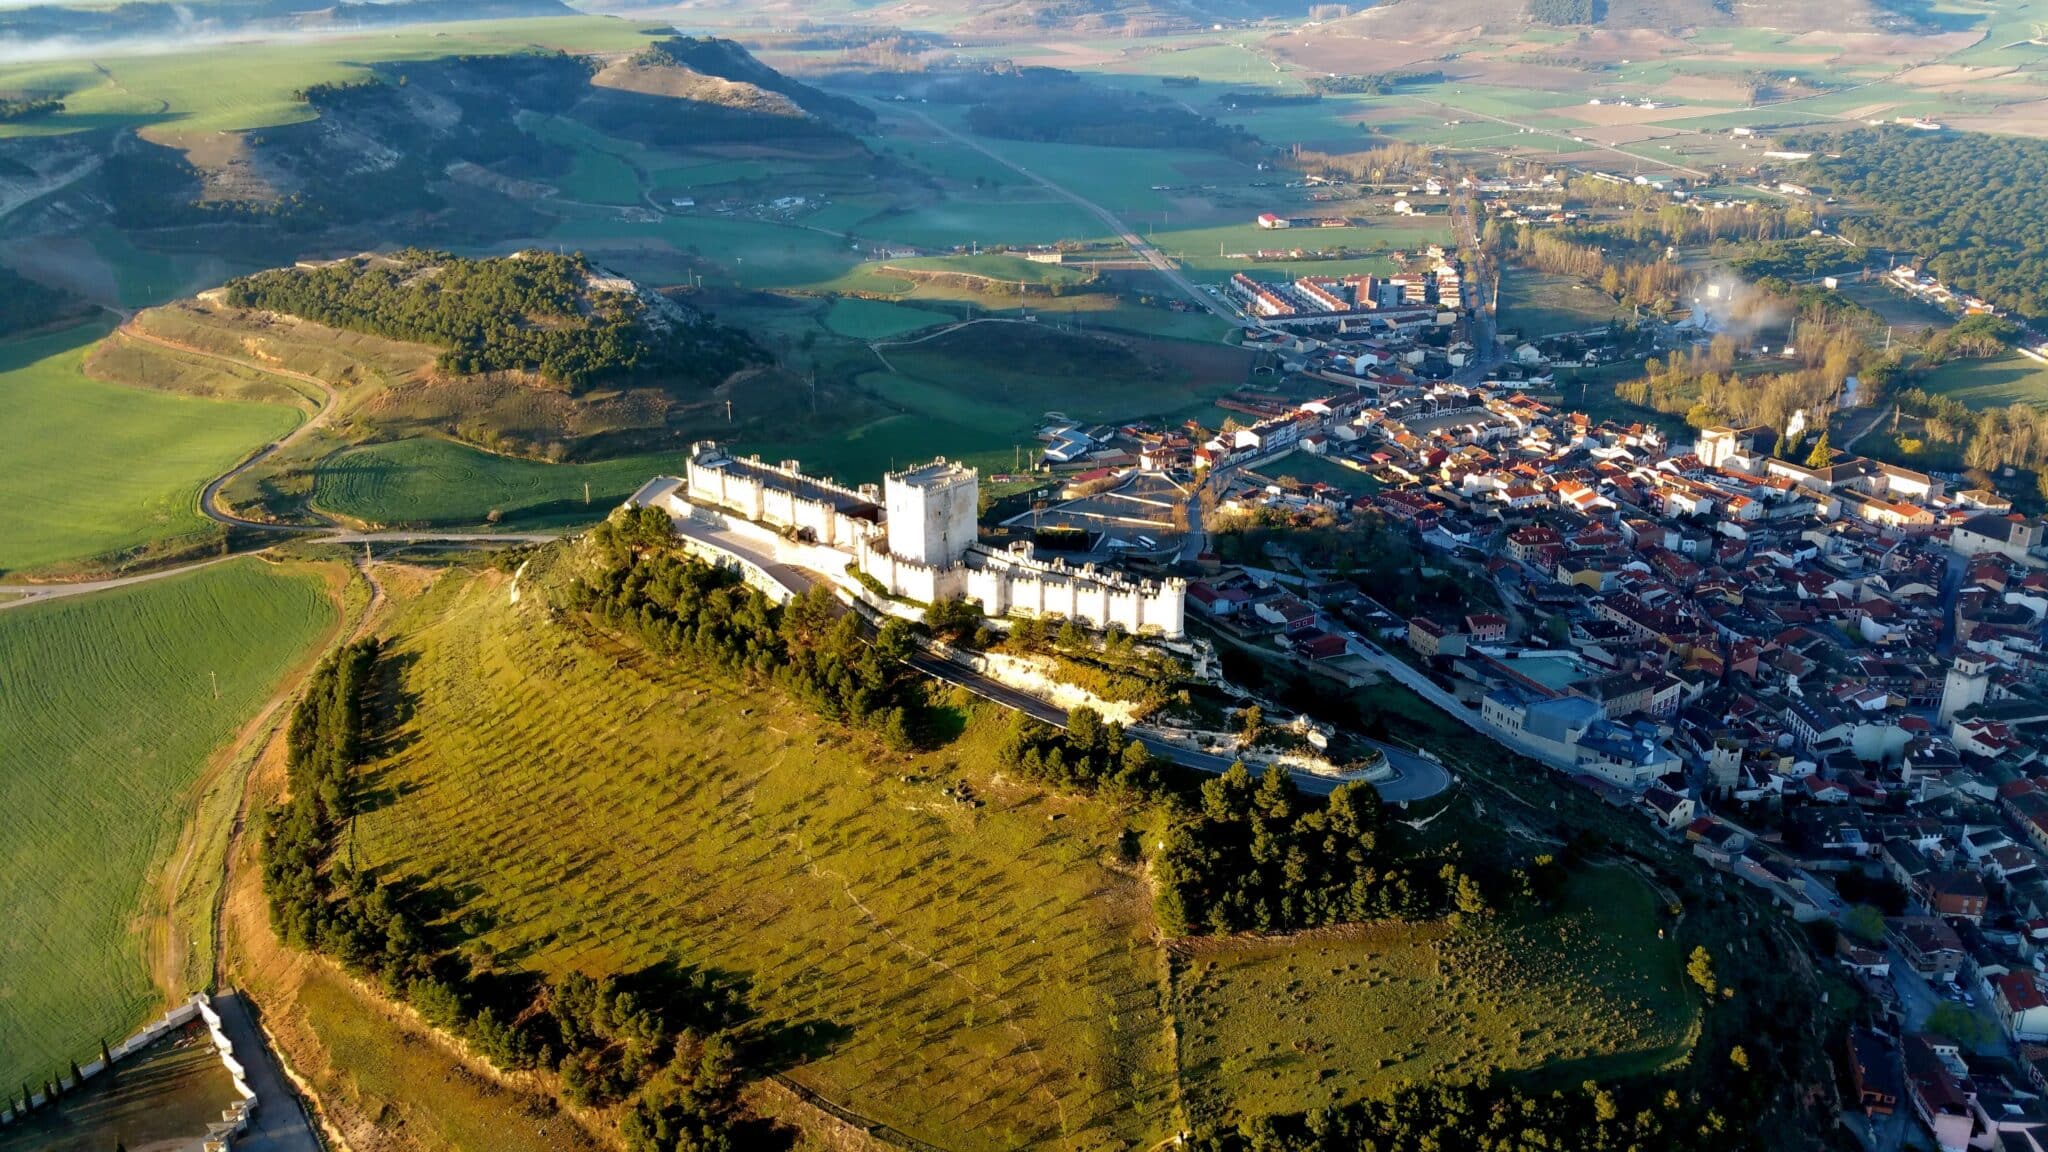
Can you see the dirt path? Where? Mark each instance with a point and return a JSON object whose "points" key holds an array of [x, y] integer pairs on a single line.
{"points": [[1137, 244], [877, 346], [1876, 418], [28, 594]]}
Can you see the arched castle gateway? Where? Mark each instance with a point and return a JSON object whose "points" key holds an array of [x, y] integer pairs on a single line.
{"points": [[918, 538]]}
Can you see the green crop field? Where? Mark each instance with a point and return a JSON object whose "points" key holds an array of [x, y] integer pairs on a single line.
{"points": [[112, 704], [1992, 383], [754, 254], [878, 319], [601, 172], [234, 87], [989, 975], [959, 222], [93, 467], [1536, 304], [999, 380], [427, 481], [1589, 991]]}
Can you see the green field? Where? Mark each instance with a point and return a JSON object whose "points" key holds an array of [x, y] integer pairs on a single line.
{"points": [[988, 977], [1587, 992], [981, 391], [752, 253], [959, 222], [93, 467], [1993, 383], [601, 173], [234, 87], [1534, 304], [1206, 254], [112, 704], [427, 481], [1000, 266], [865, 319]]}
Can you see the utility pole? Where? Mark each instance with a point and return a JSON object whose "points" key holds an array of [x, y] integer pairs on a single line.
{"points": [[214, 679]]}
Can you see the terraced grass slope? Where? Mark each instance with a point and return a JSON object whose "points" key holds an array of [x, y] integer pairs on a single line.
{"points": [[92, 467], [111, 705], [1587, 993], [983, 977]]}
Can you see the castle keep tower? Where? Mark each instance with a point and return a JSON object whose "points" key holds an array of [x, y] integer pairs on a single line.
{"points": [[932, 512]]}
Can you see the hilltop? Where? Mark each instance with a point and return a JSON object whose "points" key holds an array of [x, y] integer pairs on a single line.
{"points": [[553, 318], [708, 70]]}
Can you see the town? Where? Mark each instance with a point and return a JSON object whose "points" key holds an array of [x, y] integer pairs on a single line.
{"points": [[1823, 677]]}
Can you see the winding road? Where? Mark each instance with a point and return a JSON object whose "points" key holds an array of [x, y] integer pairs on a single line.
{"points": [[209, 497], [22, 595]]}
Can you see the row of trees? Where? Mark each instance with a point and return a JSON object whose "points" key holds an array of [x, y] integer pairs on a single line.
{"points": [[534, 313], [1487, 1117], [1256, 856], [677, 1040], [2015, 436], [1088, 756], [679, 606], [1654, 284], [1373, 165], [1703, 387], [26, 303], [1562, 13], [14, 109], [1374, 83]]}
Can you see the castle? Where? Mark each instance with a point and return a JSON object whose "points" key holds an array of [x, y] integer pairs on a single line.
{"points": [[917, 537]]}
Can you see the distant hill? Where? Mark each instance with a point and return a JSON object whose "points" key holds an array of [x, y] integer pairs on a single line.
{"points": [[24, 28], [719, 73], [1424, 19]]}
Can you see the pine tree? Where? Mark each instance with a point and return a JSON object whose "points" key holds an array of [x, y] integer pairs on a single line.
{"points": [[1821, 453]]}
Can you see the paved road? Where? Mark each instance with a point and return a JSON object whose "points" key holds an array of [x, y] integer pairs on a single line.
{"points": [[279, 1123], [209, 498], [1137, 244], [28, 594], [1415, 778]]}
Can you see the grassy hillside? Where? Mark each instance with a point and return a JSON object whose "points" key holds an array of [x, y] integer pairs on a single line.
{"points": [[1587, 992], [981, 976], [183, 96], [93, 467], [438, 482], [112, 704]]}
